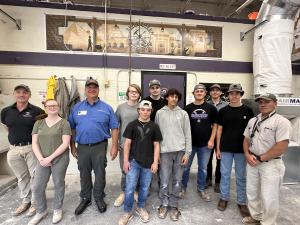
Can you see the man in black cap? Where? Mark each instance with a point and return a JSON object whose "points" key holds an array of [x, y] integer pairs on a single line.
{"points": [[93, 122], [19, 119], [266, 140], [157, 101]]}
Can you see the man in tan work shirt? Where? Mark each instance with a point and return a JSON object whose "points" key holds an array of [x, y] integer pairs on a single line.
{"points": [[266, 139]]}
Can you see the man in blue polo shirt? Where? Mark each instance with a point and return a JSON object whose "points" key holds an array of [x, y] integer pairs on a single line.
{"points": [[91, 121]]}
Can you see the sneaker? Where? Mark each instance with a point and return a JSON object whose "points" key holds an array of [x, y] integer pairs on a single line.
{"points": [[174, 214], [119, 200], [143, 214], [222, 205], [136, 196], [125, 219], [250, 220], [182, 193], [21, 209], [162, 212], [37, 218], [57, 216], [205, 196], [244, 210], [217, 188], [31, 212]]}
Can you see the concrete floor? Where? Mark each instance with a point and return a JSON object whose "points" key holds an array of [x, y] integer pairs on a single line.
{"points": [[194, 211]]}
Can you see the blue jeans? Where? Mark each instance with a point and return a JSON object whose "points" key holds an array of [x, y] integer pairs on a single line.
{"points": [[136, 174], [203, 154], [240, 174]]}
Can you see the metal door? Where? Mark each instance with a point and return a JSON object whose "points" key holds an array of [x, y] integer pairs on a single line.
{"points": [[168, 80]]}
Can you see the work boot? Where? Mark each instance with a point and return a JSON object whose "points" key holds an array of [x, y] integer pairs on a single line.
{"points": [[162, 212], [174, 214], [31, 212], [222, 205], [143, 214], [249, 220], [21, 209], [119, 200], [217, 187], [244, 210], [125, 219], [82, 206], [204, 196]]}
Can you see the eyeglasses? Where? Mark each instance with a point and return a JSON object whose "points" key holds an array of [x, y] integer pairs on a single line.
{"points": [[51, 106]]}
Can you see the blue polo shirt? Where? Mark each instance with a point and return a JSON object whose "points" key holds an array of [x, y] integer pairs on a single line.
{"points": [[92, 122]]}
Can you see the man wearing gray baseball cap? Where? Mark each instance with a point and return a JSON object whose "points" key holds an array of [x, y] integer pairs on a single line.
{"points": [[266, 140]]}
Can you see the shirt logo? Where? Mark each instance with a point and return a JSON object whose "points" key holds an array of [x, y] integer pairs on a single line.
{"points": [[199, 114], [244, 117], [27, 114]]}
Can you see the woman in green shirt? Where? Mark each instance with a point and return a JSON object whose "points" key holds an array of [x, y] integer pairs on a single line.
{"points": [[50, 144]]}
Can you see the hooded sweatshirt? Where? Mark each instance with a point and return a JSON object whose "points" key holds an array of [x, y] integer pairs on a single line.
{"points": [[175, 127]]}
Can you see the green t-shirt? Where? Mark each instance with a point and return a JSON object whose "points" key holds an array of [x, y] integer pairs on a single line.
{"points": [[50, 138]]}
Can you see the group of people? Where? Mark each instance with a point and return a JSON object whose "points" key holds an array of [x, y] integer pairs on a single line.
{"points": [[153, 135]]}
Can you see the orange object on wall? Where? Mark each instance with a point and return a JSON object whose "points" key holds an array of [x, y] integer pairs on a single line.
{"points": [[252, 15]]}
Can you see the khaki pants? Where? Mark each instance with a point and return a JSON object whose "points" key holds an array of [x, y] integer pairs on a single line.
{"points": [[22, 162], [263, 187]]}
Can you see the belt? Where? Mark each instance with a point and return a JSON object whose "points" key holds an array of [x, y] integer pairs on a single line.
{"points": [[22, 143], [266, 160], [93, 144]]}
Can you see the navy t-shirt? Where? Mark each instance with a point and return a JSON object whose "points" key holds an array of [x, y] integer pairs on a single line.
{"points": [[142, 136], [233, 121]]}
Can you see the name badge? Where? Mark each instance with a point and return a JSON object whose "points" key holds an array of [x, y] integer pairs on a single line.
{"points": [[82, 113]]}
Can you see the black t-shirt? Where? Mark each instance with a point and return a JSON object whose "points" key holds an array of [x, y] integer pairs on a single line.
{"points": [[233, 121], [156, 105], [202, 117], [142, 135], [20, 124]]}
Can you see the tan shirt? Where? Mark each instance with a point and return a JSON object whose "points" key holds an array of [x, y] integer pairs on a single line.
{"points": [[269, 132]]}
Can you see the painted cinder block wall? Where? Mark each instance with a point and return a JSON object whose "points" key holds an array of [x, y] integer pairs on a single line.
{"points": [[32, 38]]}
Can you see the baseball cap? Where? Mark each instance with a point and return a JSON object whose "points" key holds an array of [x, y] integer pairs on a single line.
{"points": [[200, 86], [215, 86], [25, 87], [145, 104], [91, 81], [154, 82], [235, 87], [268, 97]]}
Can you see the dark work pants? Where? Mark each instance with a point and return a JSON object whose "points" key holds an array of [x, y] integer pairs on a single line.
{"points": [[92, 158], [209, 169]]}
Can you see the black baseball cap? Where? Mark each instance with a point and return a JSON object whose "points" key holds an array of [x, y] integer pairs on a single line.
{"points": [[23, 86]]}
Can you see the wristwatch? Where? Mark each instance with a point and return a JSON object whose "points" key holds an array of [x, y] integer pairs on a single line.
{"points": [[258, 158]]}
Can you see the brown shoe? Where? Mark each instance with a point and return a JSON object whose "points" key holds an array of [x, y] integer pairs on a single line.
{"points": [[250, 221], [174, 214], [31, 212], [125, 219], [222, 205], [21, 209], [244, 210], [143, 214], [162, 212]]}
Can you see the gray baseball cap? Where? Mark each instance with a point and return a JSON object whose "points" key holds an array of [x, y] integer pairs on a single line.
{"points": [[200, 86], [235, 87], [215, 86], [154, 82], [91, 81], [268, 97]]}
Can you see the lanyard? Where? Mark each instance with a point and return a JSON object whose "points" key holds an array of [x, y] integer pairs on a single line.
{"points": [[257, 124]]}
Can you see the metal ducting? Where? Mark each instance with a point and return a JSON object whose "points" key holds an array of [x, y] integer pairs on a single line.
{"points": [[273, 43]]}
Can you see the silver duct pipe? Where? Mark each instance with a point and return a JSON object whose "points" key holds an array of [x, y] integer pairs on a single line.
{"points": [[273, 43]]}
